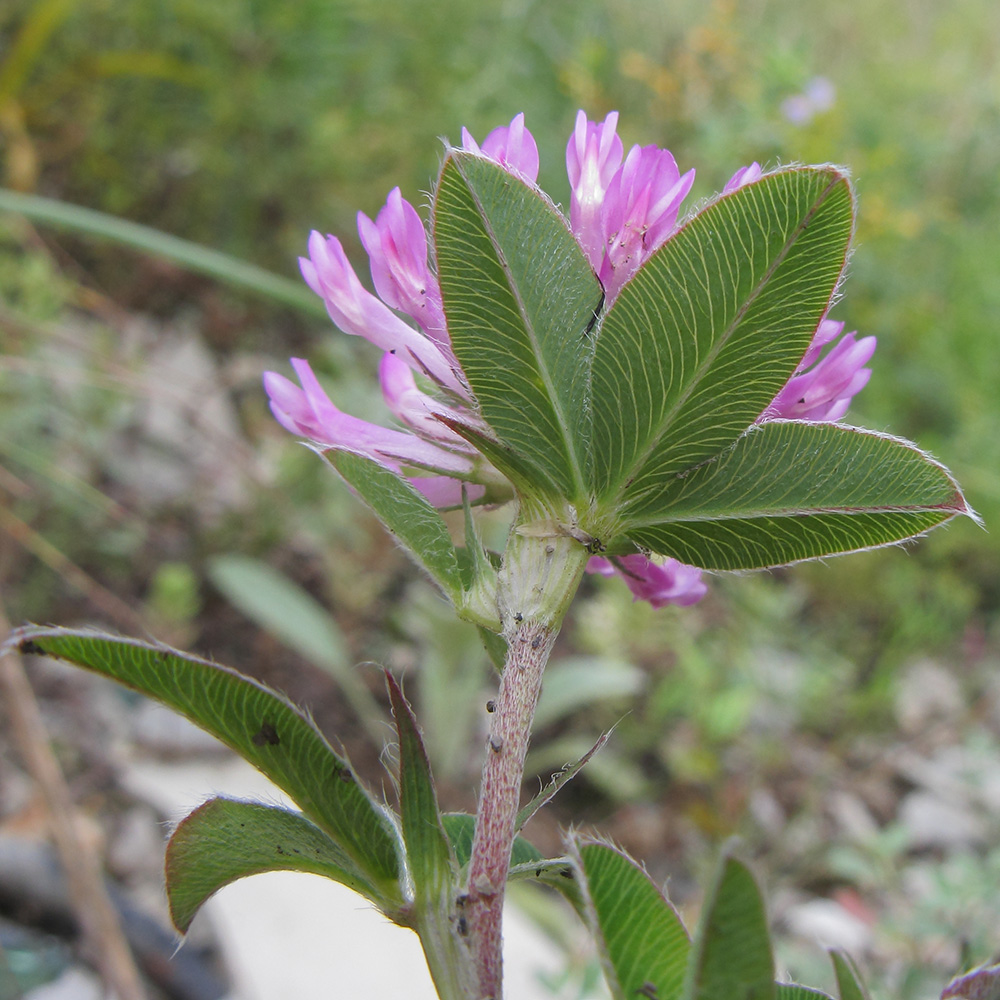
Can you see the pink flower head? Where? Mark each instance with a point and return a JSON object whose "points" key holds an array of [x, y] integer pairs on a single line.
{"points": [[669, 582], [621, 212], [512, 146], [397, 246], [823, 389], [593, 155], [745, 175], [355, 310]]}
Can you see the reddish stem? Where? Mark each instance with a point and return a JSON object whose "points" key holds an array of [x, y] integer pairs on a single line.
{"points": [[513, 709]]}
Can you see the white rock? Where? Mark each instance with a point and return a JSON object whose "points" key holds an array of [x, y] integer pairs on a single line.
{"points": [[827, 923]]}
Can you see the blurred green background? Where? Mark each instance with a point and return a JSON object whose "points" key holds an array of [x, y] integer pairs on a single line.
{"points": [[143, 483]]}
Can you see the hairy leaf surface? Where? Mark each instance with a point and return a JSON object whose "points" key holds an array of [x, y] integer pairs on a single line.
{"points": [[708, 331], [793, 490], [643, 945], [258, 723], [224, 840], [519, 296]]}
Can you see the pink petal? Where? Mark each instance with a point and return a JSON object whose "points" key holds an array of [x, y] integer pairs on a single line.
{"points": [[397, 246], [743, 176], [671, 582], [512, 146], [356, 311]]}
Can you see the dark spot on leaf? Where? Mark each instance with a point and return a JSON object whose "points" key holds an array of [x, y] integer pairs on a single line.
{"points": [[595, 545], [519, 617], [536, 642], [496, 745], [648, 990], [266, 735], [463, 926], [30, 648], [277, 848], [345, 774], [462, 899], [566, 872], [491, 706], [538, 873]]}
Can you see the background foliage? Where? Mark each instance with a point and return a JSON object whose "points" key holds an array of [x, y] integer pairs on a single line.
{"points": [[137, 452]]}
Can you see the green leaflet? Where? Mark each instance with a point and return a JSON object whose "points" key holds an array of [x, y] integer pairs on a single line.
{"points": [[259, 724], [794, 991], [848, 978], [708, 331], [793, 490], [407, 515], [428, 852], [643, 945], [519, 295], [224, 840], [731, 959]]}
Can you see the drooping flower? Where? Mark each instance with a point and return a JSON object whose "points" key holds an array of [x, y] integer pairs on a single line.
{"points": [[397, 247], [660, 583], [823, 389], [623, 208]]}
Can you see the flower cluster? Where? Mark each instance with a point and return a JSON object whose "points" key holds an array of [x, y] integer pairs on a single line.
{"points": [[623, 207]]}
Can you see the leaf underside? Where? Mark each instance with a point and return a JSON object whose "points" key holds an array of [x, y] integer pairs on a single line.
{"points": [[793, 490], [406, 514], [258, 723], [224, 840], [732, 950], [428, 852], [518, 295], [643, 944], [708, 331]]}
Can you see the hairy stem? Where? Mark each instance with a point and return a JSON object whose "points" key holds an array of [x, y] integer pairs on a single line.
{"points": [[514, 708], [541, 571]]}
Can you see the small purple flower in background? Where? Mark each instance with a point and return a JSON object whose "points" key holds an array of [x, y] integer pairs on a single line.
{"points": [[745, 175], [817, 96], [622, 209]]}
